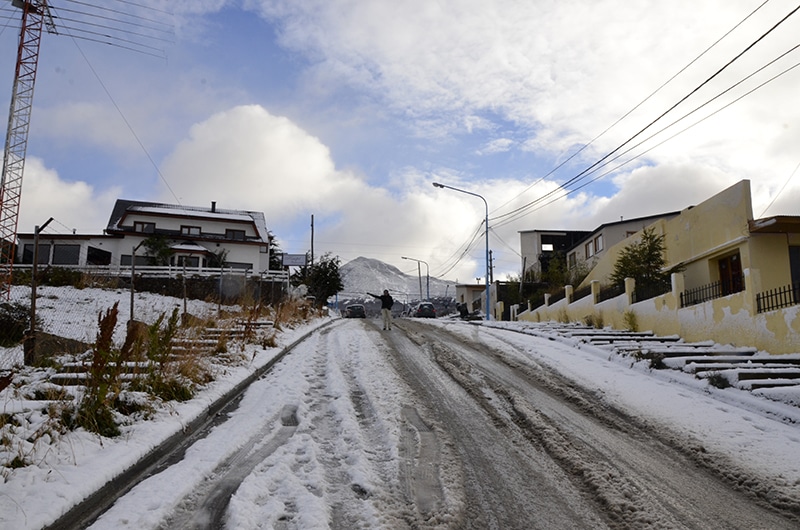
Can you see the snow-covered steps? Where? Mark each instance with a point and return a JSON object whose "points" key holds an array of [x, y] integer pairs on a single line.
{"points": [[742, 366]]}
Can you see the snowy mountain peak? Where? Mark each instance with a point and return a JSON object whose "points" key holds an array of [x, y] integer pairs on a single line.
{"points": [[363, 275]]}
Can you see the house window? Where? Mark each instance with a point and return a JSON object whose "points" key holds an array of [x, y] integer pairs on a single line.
{"points": [[188, 261], [190, 230], [44, 254], [236, 235], [598, 244], [144, 228], [572, 260], [547, 247], [125, 260], [97, 256], [66, 254], [589, 249]]}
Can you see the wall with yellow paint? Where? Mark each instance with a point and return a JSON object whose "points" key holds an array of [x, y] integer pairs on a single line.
{"points": [[696, 240]]}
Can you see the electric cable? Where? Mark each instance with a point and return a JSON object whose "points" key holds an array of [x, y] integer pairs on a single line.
{"points": [[584, 173]]}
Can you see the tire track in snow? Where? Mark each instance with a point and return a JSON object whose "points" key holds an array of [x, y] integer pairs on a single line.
{"points": [[637, 480], [206, 506]]}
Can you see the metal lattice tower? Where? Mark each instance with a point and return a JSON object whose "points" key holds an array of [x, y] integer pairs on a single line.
{"points": [[35, 14]]}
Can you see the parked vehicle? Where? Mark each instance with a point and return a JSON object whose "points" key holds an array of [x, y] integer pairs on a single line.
{"points": [[425, 310], [355, 311]]}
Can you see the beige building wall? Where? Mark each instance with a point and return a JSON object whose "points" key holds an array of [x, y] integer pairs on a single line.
{"points": [[697, 239]]}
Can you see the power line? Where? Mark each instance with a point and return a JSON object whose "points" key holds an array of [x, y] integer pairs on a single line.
{"points": [[599, 163], [615, 168], [638, 105]]}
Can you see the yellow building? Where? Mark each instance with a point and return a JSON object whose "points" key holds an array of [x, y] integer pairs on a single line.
{"points": [[740, 279]]}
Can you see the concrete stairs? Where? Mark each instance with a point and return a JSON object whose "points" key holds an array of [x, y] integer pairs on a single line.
{"points": [[208, 341], [743, 367]]}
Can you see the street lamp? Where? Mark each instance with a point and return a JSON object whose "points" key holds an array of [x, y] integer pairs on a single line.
{"points": [[427, 278], [437, 185]]}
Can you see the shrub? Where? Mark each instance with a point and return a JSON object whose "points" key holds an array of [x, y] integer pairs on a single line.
{"points": [[657, 361], [95, 412], [15, 320], [595, 321], [630, 321], [718, 380]]}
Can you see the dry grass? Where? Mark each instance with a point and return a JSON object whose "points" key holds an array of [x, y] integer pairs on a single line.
{"points": [[167, 360]]}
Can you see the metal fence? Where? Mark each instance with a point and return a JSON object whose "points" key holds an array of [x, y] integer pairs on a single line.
{"points": [[612, 291], [781, 297], [560, 295], [640, 294], [583, 292], [711, 291]]}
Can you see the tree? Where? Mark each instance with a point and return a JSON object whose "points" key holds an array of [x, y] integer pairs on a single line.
{"points": [[642, 260], [157, 250], [322, 278], [218, 259], [275, 255]]}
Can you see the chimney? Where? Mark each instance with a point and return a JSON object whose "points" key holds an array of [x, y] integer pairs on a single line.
{"points": [[213, 206]]}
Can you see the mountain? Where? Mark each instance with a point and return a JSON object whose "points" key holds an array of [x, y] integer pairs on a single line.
{"points": [[363, 275]]}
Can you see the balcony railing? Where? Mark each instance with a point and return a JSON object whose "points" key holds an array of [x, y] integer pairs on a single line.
{"points": [[786, 296]]}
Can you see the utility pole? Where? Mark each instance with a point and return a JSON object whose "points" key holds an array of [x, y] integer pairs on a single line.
{"points": [[312, 239]]}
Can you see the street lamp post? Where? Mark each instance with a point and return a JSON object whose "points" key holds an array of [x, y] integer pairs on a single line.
{"points": [[486, 225], [427, 278]]}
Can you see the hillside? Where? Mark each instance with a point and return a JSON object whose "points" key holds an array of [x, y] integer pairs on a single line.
{"points": [[363, 275]]}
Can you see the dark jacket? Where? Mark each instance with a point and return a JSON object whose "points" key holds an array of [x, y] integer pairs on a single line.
{"points": [[386, 300]]}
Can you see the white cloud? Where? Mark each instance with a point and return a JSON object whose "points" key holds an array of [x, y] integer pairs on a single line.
{"points": [[563, 71], [73, 205], [500, 145]]}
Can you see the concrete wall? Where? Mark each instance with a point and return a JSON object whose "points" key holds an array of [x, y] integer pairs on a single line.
{"points": [[731, 319], [696, 240]]}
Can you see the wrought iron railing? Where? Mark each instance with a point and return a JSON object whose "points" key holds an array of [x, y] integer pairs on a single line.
{"points": [[583, 292], [704, 293], [646, 292], [560, 295], [611, 291], [778, 298]]}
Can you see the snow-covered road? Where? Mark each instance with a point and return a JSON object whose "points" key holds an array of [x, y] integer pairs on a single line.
{"points": [[449, 425]]}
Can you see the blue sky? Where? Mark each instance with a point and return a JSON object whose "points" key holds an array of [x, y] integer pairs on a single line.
{"points": [[349, 110]]}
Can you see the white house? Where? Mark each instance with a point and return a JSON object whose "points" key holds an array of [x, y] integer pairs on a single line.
{"points": [[196, 236]]}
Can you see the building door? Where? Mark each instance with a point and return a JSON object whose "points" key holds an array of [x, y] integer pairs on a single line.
{"points": [[794, 264], [730, 274]]}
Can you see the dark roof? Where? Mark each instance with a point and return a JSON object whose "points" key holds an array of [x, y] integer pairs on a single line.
{"points": [[779, 224], [123, 207]]}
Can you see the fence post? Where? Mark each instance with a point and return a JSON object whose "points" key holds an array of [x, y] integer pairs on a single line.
{"points": [[595, 285], [630, 290]]}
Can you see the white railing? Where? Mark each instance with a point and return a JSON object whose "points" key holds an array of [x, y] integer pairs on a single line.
{"points": [[166, 271]]}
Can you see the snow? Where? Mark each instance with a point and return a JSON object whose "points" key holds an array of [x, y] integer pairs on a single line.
{"points": [[756, 430]]}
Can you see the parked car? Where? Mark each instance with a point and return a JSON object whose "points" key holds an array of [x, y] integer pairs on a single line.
{"points": [[355, 311], [425, 310]]}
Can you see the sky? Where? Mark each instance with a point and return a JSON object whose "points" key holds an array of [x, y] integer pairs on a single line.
{"points": [[560, 115], [754, 433]]}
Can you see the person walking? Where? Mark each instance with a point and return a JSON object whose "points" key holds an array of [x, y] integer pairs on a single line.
{"points": [[386, 307]]}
